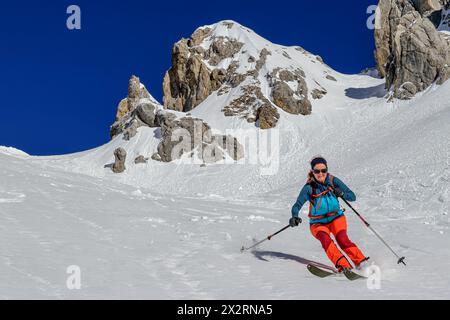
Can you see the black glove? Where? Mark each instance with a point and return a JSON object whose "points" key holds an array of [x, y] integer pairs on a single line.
{"points": [[338, 193], [295, 221]]}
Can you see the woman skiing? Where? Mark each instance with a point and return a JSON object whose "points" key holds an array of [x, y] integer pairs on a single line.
{"points": [[322, 191]]}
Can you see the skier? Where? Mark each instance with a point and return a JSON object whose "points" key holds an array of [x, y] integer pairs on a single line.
{"points": [[322, 191]]}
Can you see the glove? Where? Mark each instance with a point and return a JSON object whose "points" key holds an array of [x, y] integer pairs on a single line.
{"points": [[338, 193], [295, 221]]}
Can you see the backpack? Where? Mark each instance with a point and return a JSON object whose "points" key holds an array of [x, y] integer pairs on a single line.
{"points": [[315, 195]]}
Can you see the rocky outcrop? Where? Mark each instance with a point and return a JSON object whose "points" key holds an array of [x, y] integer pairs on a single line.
{"points": [[222, 48], [198, 36], [140, 159], [193, 137], [318, 93], [247, 104], [179, 136], [410, 53], [210, 61], [267, 116], [120, 156], [283, 97], [254, 106], [131, 130], [294, 102], [136, 110], [190, 81]]}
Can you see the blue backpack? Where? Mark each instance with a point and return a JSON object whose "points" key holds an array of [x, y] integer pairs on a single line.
{"points": [[324, 207]]}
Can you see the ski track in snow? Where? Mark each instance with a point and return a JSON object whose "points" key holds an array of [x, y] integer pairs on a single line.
{"points": [[140, 244]]}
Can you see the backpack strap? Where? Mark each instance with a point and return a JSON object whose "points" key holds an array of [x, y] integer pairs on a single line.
{"points": [[311, 198], [315, 196], [332, 185], [331, 180]]}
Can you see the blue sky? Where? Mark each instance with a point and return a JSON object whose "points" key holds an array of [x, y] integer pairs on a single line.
{"points": [[60, 89]]}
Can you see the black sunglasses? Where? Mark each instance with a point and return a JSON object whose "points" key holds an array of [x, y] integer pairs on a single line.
{"points": [[317, 171]]}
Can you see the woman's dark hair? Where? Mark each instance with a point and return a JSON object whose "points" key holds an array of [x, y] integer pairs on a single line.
{"points": [[318, 159]]}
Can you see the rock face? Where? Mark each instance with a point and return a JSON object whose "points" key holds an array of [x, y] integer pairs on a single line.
{"points": [[410, 53], [193, 137], [268, 116], [136, 110], [120, 156], [190, 81], [294, 102], [252, 105]]}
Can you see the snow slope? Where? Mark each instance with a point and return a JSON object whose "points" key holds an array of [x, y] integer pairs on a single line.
{"points": [[445, 21], [174, 230]]}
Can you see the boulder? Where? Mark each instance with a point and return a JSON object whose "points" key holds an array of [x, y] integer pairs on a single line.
{"points": [[119, 164], [406, 91], [147, 113], [140, 159], [318, 93], [156, 157]]}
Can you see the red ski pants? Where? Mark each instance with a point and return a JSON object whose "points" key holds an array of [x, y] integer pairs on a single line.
{"points": [[338, 228]]}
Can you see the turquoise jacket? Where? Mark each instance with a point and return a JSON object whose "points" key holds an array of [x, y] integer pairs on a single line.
{"points": [[325, 204]]}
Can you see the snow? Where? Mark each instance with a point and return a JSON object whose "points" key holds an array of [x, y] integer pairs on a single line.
{"points": [[13, 151], [174, 231], [445, 21]]}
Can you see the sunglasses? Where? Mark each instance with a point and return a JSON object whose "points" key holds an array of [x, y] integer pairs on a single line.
{"points": [[317, 171]]}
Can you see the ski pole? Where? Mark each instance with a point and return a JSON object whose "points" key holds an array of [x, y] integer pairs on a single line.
{"points": [[268, 238], [400, 259]]}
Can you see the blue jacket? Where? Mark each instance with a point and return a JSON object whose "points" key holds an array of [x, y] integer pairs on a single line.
{"points": [[325, 204]]}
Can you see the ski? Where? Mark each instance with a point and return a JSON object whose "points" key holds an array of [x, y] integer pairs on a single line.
{"points": [[352, 276], [319, 272], [322, 272]]}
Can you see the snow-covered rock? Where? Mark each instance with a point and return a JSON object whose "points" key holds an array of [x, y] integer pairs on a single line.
{"points": [[136, 110], [230, 62]]}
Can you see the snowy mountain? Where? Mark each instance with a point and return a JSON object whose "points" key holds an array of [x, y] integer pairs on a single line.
{"points": [[174, 229], [242, 72]]}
